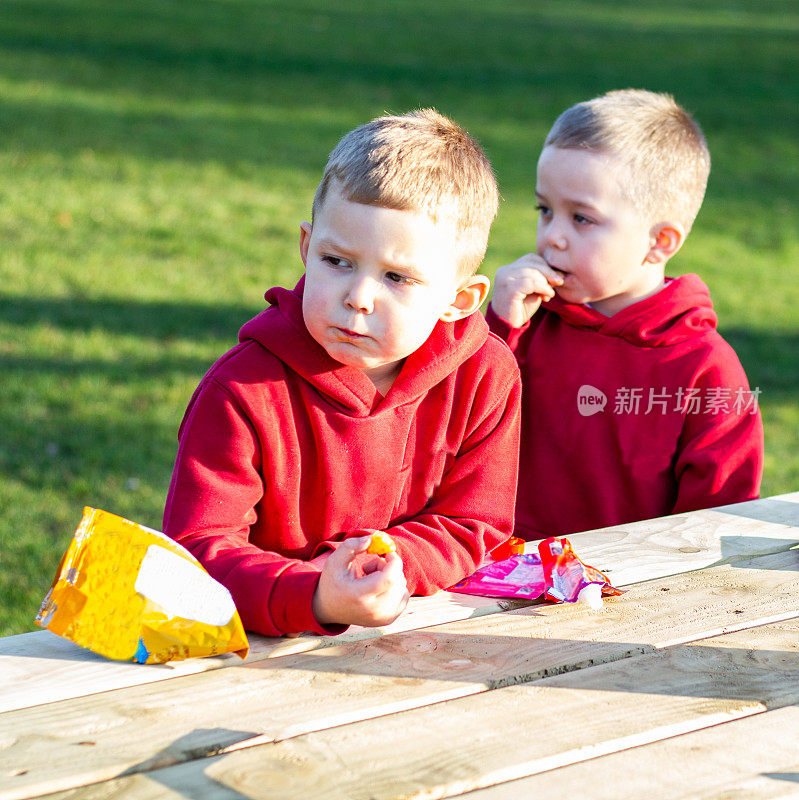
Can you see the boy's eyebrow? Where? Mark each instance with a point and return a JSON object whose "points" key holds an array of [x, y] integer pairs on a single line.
{"points": [[581, 202], [408, 269], [328, 242]]}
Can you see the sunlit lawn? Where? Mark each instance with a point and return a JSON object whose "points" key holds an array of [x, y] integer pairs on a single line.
{"points": [[157, 158]]}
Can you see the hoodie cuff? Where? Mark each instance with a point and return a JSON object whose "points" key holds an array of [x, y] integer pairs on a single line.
{"points": [[504, 330], [291, 603]]}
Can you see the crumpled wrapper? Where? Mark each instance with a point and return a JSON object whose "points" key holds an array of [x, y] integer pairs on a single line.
{"points": [[554, 573], [133, 594]]}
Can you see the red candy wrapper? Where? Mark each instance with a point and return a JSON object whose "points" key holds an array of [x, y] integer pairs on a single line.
{"points": [[567, 579], [513, 547], [554, 572]]}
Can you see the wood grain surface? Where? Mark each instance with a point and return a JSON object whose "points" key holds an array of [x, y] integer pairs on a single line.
{"points": [[470, 743], [144, 727], [39, 667]]}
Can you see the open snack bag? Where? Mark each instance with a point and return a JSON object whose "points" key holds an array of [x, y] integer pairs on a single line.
{"points": [[554, 573], [132, 594]]}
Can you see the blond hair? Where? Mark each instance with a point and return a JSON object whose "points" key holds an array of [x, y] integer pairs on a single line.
{"points": [[666, 157], [424, 162]]}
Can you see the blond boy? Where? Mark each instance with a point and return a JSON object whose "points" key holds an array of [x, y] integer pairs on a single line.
{"points": [[369, 398], [633, 405]]}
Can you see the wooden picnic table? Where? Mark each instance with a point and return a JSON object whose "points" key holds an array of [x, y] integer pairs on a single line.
{"points": [[687, 685]]}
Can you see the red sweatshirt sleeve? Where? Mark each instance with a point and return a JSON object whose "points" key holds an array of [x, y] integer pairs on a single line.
{"points": [[720, 457], [510, 335], [216, 480]]}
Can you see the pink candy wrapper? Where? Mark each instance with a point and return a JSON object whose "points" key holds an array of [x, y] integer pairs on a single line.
{"points": [[517, 576], [554, 572]]}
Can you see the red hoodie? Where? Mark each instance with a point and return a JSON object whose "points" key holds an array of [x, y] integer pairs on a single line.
{"points": [[629, 417], [283, 449]]}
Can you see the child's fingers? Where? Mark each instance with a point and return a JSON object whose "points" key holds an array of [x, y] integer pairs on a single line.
{"points": [[535, 278], [394, 563], [382, 573], [350, 548], [391, 595], [370, 562], [554, 277], [386, 578]]}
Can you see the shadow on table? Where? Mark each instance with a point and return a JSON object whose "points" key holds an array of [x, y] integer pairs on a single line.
{"points": [[705, 672], [691, 670], [793, 777], [770, 509], [170, 767], [737, 551]]}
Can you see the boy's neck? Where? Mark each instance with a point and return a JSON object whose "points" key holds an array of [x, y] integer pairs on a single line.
{"points": [[383, 377], [609, 308]]}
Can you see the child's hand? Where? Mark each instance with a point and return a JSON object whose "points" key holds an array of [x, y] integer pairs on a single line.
{"points": [[357, 588], [520, 287]]}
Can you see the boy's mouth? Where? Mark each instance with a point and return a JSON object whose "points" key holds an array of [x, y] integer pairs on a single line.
{"points": [[346, 333], [562, 272]]}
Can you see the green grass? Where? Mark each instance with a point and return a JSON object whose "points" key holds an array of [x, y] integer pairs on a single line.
{"points": [[157, 157]]}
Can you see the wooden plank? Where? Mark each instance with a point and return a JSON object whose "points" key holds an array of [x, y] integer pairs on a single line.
{"points": [[142, 727], [38, 667], [469, 743], [673, 545], [751, 757]]}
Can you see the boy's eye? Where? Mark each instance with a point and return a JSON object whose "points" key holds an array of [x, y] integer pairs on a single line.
{"points": [[581, 220], [542, 209], [395, 277], [335, 261]]}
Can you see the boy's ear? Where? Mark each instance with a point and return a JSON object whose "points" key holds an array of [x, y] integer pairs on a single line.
{"points": [[665, 239], [305, 241], [469, 298]]}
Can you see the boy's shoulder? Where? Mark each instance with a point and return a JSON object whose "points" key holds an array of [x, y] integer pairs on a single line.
{"points": [[484, 356], [246, 362]]}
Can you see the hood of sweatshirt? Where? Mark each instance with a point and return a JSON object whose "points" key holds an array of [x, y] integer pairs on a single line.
{"points": [[681, 310], [281, 330]]}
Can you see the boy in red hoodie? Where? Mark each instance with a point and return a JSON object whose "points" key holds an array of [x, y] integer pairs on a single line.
{"points": [[369, 398], [633, 405]]}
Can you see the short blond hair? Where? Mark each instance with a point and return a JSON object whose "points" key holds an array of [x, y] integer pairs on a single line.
{"points": [[421, 161], [662, 146]]}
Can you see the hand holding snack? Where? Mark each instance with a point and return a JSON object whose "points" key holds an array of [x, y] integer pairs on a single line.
{"points": [[520, 288], [353, 590]]}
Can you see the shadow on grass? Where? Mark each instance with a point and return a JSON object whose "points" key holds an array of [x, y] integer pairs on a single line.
{"points": [[770, 358], [311, 70], [158, 320]]}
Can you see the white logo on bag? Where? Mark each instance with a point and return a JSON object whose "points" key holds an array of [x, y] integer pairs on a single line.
{"points": [[590, 400]]}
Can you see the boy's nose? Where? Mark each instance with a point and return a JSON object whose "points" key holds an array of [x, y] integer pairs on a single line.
{"points": [[360, 295], [555, 235]]}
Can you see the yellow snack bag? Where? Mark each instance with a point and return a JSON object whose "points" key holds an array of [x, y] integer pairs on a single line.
{"points": [[131, 593]]}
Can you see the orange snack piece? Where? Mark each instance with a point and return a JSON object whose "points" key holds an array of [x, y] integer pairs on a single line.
{"points": [[381, 544], [513, 547]]}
